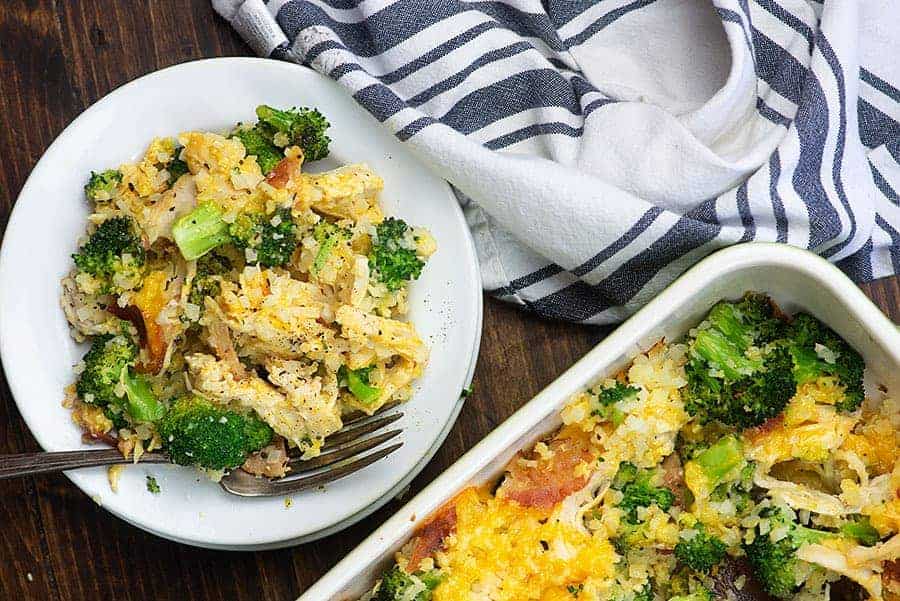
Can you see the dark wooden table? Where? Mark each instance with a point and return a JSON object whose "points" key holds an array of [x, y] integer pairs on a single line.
{"points": [[56, 59]]}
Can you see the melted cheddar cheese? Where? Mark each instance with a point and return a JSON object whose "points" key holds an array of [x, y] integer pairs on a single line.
{"points": [[500, 542]]}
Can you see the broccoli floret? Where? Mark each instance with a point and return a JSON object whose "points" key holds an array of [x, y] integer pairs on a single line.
{"points": [[328, 235], [391, 257], [628, 473], [259, 145], [207, 281], [108, 356], [396, 585], [818, 351], [775, 562], [638, 491], [113, 255], [862, 531], [101, 186], [109, 363], [357, 381], [701, 552], [200, 231], [257, 433], [176, 169], [272, 238], [740, 372], [303, 127], [196, 432], [605, 405]]}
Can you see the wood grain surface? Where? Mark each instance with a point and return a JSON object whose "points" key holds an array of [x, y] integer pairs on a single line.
{"points": [[56, 59]]}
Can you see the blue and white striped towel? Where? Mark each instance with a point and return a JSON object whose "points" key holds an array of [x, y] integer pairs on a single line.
{"points": [[600, 147]]}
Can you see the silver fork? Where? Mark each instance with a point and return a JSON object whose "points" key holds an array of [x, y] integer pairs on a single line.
{"points": [[341, 456]]}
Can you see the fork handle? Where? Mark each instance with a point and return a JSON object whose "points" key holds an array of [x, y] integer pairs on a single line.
{"points": [[26, 464]]}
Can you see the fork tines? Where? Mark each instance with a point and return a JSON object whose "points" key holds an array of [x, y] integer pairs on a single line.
{"points": [[341, 456]]}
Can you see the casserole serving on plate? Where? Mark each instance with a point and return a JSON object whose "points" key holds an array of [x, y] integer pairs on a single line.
{"points": [[39, 355]]}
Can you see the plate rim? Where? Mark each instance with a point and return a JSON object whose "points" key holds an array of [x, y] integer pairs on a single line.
{"points": [[475, 321]]}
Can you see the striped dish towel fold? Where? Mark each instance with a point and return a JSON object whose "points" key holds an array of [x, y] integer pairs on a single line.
{"points": [[599, 148]]}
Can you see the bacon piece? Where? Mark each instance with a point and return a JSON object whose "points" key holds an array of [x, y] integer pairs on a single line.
{"points": [[431, 536], [284, 171], [553, 478], [155, 345], [131, 314]]}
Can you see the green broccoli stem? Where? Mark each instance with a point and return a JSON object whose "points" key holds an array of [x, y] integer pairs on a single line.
{"points": [[358, 383], [862, 531], [142, 405], [200, 231], [324, 252], [721, 460], [362, 391]]}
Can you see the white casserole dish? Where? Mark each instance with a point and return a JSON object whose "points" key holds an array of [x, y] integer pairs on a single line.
{"points": [[796, 279]]}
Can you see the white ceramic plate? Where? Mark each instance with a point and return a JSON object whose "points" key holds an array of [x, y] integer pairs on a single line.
{"points": [[38, 353]]}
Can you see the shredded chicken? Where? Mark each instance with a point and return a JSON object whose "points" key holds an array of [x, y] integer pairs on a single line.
{"points": [[221, 343], [836, 561], [215, 380], [157, 220], [799, 496]]}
